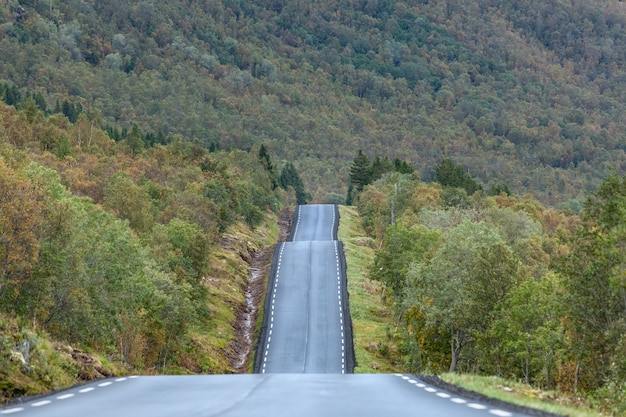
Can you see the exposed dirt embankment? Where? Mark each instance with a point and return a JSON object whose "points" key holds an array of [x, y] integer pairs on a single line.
{"points": [[259, 262]]}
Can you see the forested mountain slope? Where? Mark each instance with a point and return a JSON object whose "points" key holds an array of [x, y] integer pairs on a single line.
{"points": [[527, 93], [117, 258]]}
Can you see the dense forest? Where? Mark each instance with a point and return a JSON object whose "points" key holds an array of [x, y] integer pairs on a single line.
{"points": [[529, 94], [133, 253], [501, 285]]}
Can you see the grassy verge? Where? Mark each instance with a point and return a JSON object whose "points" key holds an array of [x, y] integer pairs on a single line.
{"points": [[229, 277], [31, 363], [373, 322], [522, 394]]}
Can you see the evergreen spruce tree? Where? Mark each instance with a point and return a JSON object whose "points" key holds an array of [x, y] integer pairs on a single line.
{"points": [[289, 177], [360, 171], [266, 160], [450, 174]]}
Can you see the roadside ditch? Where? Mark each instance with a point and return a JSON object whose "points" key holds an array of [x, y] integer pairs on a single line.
{"points": [[247, 315]]}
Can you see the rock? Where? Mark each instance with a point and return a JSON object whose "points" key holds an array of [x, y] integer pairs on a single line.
{"points": [[17, 357], [23, 347]]}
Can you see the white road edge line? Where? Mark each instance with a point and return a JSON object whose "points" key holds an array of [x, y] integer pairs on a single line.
{"points": [[500, 413], [12, 410]]}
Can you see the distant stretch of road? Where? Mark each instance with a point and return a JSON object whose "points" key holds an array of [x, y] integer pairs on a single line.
{"points": [[304, 360], [307, 326]]}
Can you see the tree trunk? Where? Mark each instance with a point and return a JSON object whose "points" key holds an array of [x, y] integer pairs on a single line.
{"points": [[456, 344], [576, 377], [527, 364]]}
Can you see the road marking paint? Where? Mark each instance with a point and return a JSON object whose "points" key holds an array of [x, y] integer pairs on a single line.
{"points": [[40, 403], [476, 406], [84, 390], [120, 379], [12, 410], [430, 389], [458, 400], [443, 395], [420, 385], [134, 376], [105, 384], [66, 396], [500, 413]]}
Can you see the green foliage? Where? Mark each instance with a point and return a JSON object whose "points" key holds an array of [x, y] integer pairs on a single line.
{"points": [[266, 160], [457, 289], [289, 177], [402, 246], [450, 174], [594, 277], [129, 201], [463, 277], [466, 82], [112, 249], [529, 340], [360, 171]]}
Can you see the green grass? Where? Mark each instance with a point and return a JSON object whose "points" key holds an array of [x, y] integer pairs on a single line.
{"points": [[522, 394], [226, 283], [372, 320]]}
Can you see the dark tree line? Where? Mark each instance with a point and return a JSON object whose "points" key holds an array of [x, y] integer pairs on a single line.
{"points": [[363, 172], [289, 177]]}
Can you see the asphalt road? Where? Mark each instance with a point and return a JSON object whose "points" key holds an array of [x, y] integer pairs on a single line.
{"points": [[275, 395], [307, 327], [304, 365], [315, 222]]}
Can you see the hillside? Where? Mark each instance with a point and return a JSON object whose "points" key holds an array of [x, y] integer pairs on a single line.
{"points": [[491, 286], [122, 259], [530, 94]]}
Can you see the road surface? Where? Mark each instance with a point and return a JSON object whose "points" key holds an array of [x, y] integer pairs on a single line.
{"points": [[276, 395], [307, 324]]}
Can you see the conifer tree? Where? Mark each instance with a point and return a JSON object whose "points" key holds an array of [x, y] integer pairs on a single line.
{"points": [[360, 171], [266, 160], [450, 174], [289, 177]]}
